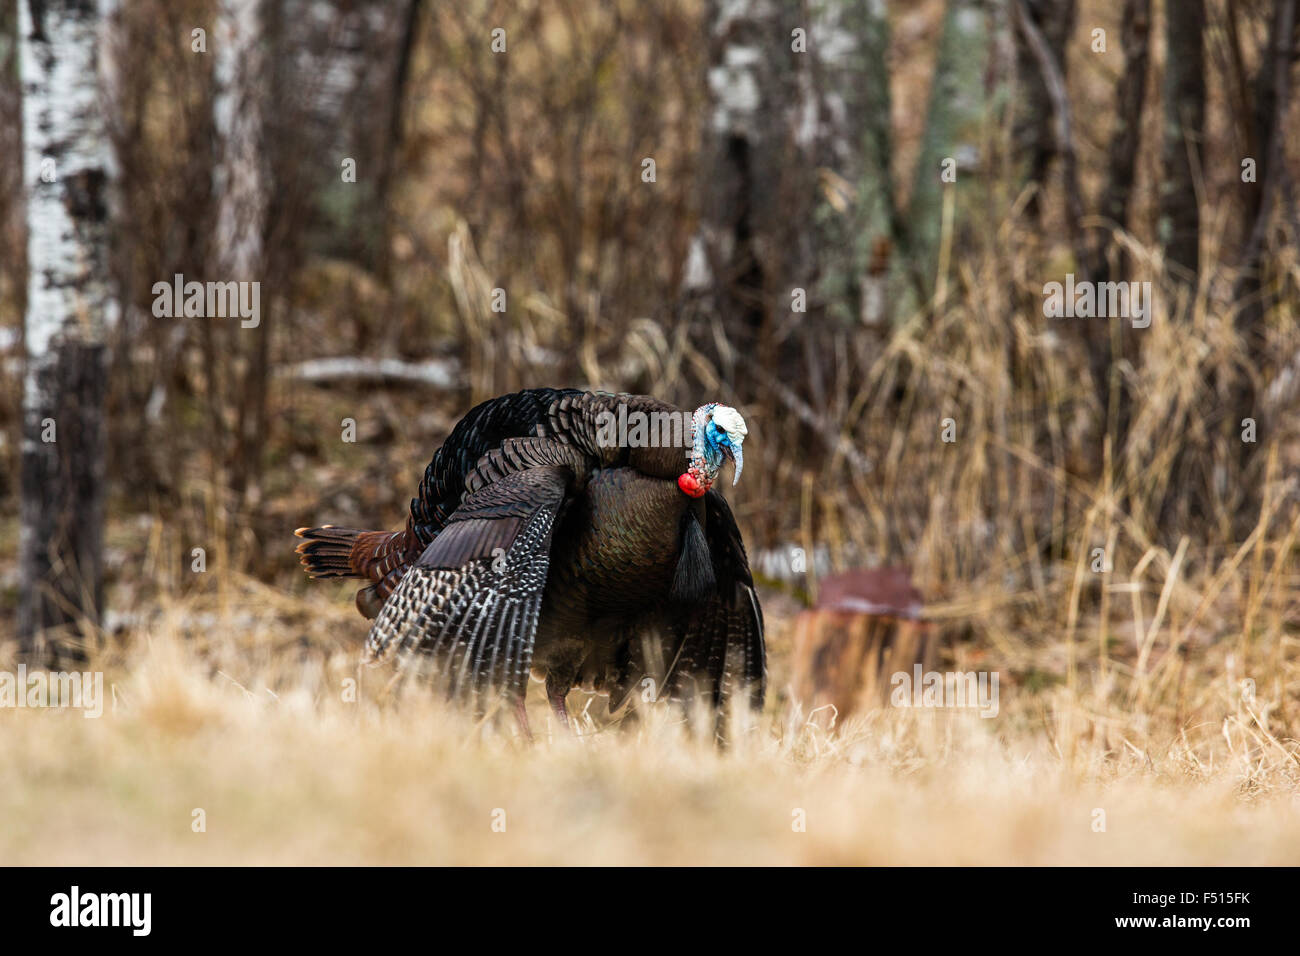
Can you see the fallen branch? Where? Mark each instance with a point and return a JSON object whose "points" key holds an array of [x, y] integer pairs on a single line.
{"points": [[436, 373]]}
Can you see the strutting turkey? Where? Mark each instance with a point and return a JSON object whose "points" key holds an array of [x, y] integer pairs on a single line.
{"points": [[548, 538]]}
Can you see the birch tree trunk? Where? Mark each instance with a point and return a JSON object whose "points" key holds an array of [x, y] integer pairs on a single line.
{"points": [[240, 185], [859, 226], [751, 88], [340, 71], [66, 171], [239, 180], [13, 269], [798, 199]]}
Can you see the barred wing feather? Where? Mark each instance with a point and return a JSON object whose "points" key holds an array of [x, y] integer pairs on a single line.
{"points": [[471, 602]]}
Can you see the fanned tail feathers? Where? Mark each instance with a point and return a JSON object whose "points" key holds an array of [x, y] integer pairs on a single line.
{"points": [[377, 556]]}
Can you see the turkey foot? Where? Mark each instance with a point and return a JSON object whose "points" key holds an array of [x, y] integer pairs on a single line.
{"points": [[556, 691]]}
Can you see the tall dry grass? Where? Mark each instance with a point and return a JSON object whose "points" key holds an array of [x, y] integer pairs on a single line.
{"points": [[230, 707]]}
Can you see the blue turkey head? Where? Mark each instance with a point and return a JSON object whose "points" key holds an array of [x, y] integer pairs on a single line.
{"points": [[724, 437]]}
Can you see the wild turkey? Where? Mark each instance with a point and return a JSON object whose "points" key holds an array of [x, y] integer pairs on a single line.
{"points": [[548, 537]]}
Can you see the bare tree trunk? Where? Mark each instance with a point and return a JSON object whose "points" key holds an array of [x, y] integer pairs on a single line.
{"points": [[957, 105], [1053, 76], [1033, 135], [753, 89], [861, 232], [70, 304], [240, 181], [1135, 33], [405, 41], [13, 270], [241, 188], [800, 133], [1130, 96], [343, 65], [1271, 91], [1180, 217]]}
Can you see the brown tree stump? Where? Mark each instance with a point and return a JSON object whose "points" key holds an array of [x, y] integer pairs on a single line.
{"points": [[866, 626]]}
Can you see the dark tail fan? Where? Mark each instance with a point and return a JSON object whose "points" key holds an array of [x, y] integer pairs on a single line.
{"points": [[327, 552], [380, 557]]}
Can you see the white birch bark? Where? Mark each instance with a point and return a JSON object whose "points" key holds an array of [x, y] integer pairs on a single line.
{"points": [[240, 177], [741, 33], [67, 289], [798, 86], [67, 171]]}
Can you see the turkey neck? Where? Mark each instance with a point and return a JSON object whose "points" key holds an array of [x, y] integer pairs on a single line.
{"points": [[666, 463]]}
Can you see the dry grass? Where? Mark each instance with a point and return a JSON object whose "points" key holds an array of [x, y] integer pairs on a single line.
{"points": [[234, 703]]}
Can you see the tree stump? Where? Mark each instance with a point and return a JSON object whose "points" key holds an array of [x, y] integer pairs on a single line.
{"points": [[865, 627]]}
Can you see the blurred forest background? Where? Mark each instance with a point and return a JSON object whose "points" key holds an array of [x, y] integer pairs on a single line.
{"points": [[838, 216]]}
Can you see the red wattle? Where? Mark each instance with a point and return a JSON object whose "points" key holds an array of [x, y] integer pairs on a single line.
{"points": [[690, 485]]}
